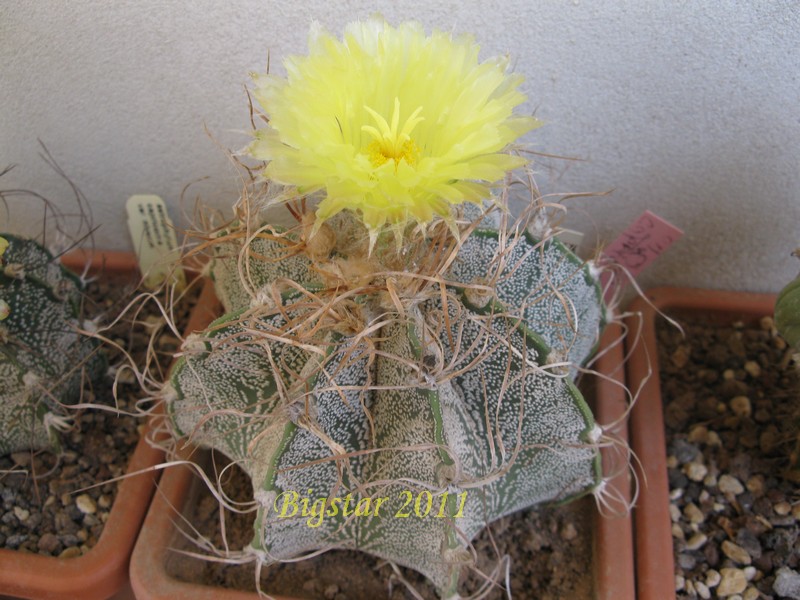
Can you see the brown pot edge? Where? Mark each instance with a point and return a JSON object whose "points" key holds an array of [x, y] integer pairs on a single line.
{"points": [[655, 566]]}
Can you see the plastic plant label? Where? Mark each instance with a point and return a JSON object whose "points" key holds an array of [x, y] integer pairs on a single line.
{"points": [[154, 241], [639, 245]]}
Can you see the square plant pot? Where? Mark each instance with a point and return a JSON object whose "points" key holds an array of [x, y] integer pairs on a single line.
{"points": [[612, 560], [655, 560], [103, 570]]}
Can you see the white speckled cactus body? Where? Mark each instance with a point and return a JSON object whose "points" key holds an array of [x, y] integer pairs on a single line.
{"points": [[43, 357], [445, 390]]}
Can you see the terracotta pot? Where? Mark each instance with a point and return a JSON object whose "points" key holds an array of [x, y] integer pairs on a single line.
{"points": [[612, 543], [655, 566], [103, 570]]}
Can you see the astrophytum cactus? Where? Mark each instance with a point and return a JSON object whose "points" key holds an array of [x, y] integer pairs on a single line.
{"points": [[394, 402], [44, 358]]}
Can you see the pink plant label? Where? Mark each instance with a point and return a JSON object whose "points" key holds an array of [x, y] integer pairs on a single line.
{"points": [[641, 243]]}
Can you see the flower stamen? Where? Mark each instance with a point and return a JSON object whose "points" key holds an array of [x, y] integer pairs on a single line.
{"points": [[388, 143]]}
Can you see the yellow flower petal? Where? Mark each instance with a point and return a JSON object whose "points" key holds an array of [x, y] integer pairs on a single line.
{"points": [[390, 123]]}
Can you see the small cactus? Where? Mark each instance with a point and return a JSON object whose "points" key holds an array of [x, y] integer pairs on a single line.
{"points": [[44, 360], [442, 385], [787, 311]]}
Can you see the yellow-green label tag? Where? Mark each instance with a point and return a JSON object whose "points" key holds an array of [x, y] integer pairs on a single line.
{"points": [[154, 241]]}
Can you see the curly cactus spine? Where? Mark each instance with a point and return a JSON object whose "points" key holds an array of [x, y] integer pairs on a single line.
{"points": [[448, 399], [43, 358]]}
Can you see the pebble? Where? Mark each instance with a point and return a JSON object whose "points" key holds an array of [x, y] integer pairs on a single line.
{"points": [[755, 485], [13, 541], [713, 578], [674, 512], [753, 368], [698, 434], [787, 583], [702, 590], [681, 356], [751, 593], [684, 451], [781, 508], [85, 504], [694, 514], [71, 552], [750, 573], [728, 484], [697, 541], [687, 562], [736, 553], [732, 582], [680, 583], [677, 533], [331, 591], [48, 543], [695, 471], [741, 407], [748, 539], [23, 514], [568, 532]]}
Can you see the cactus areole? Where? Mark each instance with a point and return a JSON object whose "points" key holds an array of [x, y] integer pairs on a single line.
{"points": [[44, 360], [394, 372]]}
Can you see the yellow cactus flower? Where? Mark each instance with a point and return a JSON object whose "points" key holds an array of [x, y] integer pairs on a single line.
{"points": [[389, 122]]}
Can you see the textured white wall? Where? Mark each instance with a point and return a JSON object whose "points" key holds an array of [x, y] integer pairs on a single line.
{"points": [[691, 109]]}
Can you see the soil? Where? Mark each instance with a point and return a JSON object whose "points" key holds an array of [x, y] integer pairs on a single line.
{"points": [[732, 412], [549, 551], [48, 506]]}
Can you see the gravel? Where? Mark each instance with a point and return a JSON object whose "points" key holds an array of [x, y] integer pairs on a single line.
{"points": [[732, 410], [50, 503]]}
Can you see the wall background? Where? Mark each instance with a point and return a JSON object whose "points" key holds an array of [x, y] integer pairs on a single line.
{"points": [[690, 109]]}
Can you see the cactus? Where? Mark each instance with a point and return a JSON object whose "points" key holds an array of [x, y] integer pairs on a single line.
{"points": [[787, 311], [436, 382], [396, 370], [43, 358]]}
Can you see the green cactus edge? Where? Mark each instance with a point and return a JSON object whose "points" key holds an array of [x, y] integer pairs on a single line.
{"points": [[44, 360]]}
